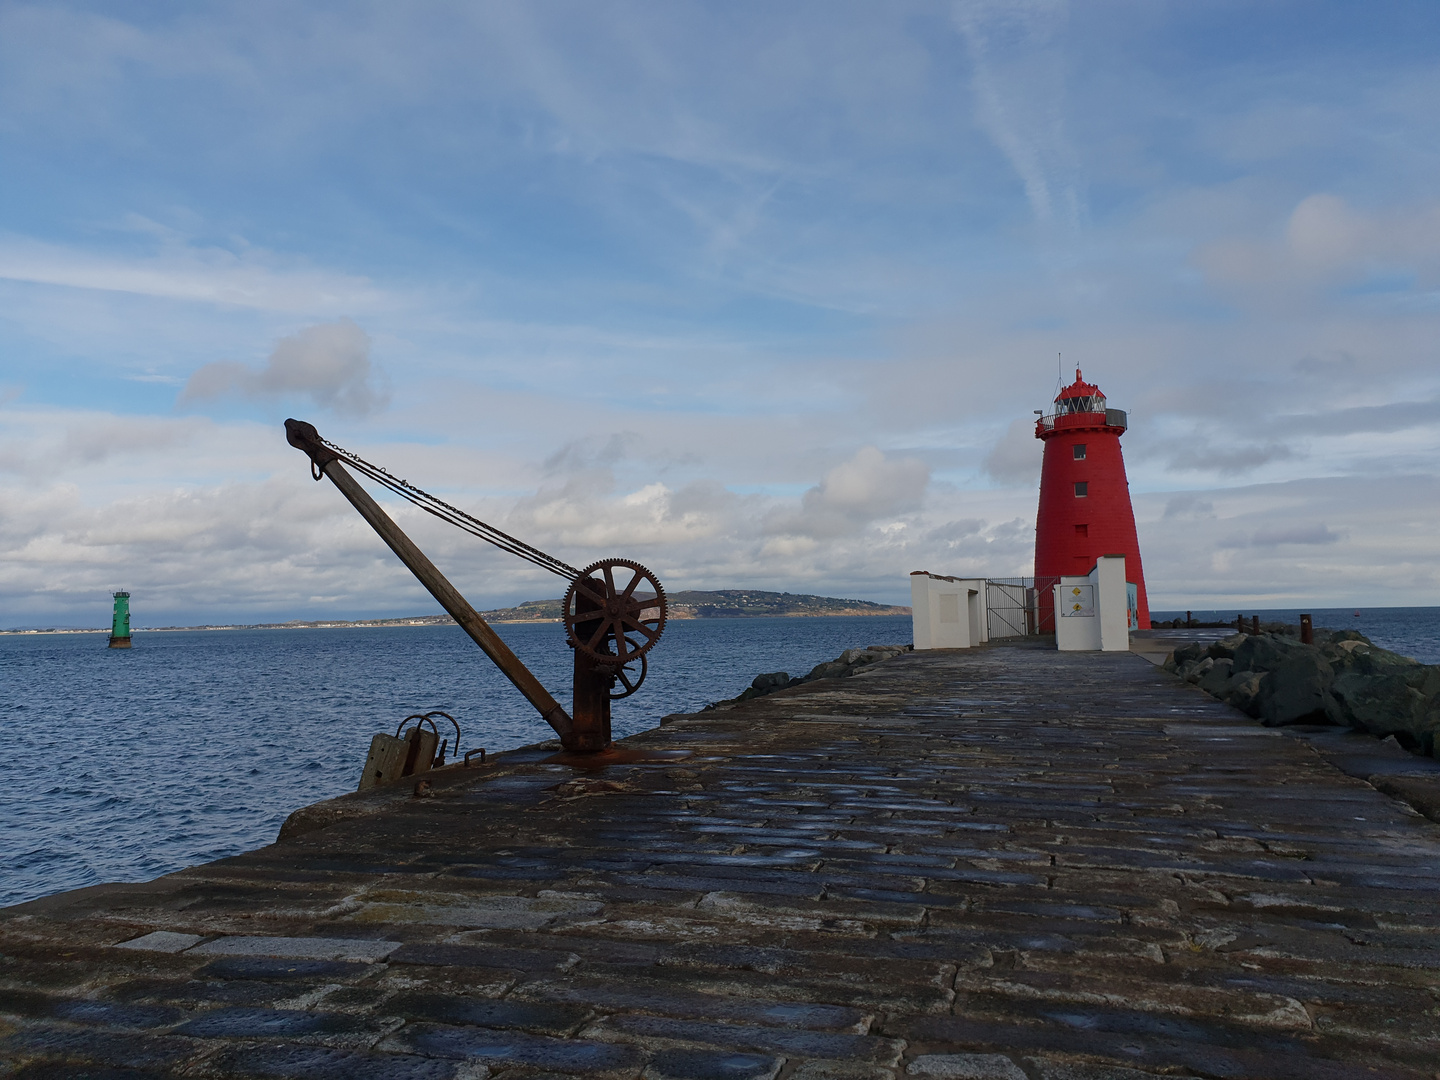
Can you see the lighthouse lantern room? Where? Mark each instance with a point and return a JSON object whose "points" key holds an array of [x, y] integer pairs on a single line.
{"points": [[1085, 511]]}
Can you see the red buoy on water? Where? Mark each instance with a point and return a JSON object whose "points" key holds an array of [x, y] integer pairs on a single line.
{"points": [[1085, 507]]}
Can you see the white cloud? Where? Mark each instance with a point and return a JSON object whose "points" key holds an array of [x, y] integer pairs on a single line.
{"points": [[178, 270], [1327, 542], [188, 548], [329, 363], [268, 543], [1205, 456], [1274, 536], [1019, 79], [40, 445], [591, 452], [1189, 505], [993, 547], [856, 493], [1327, 243], [1016, 458], [586, 514]]}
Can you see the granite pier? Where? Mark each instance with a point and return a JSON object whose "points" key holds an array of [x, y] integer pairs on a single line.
{"points": [[996, 864]]}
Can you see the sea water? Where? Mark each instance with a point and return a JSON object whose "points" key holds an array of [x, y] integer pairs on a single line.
{"points": [[122, 765]]}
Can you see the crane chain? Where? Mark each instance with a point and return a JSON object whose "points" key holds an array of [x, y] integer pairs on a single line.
{"points": [[455, 516]]}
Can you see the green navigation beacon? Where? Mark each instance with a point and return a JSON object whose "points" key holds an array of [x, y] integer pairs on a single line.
{"points": [[120, 625]]}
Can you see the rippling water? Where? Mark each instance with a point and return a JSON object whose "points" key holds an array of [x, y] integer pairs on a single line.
{"points": [[122, 765]]}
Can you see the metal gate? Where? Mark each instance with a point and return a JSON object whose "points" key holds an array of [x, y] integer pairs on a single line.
{"points": [[1020, 607]]}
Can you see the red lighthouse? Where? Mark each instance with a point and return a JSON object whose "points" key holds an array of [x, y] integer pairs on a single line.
{"points": [[1084, 497]]}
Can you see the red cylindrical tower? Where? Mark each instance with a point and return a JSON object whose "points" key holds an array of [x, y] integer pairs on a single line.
{"points": [[1084, 497]]}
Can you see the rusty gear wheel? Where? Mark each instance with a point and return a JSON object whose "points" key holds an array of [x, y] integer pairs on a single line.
{"points": [[626, 681], [614, 611]]}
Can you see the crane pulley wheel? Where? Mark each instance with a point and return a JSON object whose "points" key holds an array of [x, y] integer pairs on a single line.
{"points": [[626, 683], [614, 611]]}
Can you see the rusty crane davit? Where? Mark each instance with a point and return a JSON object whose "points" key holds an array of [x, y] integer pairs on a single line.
{"points": [[614, 609]]}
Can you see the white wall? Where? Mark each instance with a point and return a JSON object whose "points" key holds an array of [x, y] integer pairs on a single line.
{"points": [[1114, 612], [1077, 626], [1092, 612], [949, 613]]}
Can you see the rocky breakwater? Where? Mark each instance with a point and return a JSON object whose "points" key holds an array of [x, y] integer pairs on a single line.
{"points": [[847, 663], [1342, 678]]}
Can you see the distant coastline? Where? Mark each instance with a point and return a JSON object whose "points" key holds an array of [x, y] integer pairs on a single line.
{"points": [[688, 604]]}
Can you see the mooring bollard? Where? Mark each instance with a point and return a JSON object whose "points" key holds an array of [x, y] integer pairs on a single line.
{"points": [[1239, 624], [1189, 622], [1255, 625], [1307, 633]]}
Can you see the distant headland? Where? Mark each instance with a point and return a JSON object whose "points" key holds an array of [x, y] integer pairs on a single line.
{"points": [[689, 604]]}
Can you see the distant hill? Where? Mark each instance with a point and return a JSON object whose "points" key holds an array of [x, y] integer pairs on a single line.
{"points": [[690, 604], [530, 611], [734, 603], [719, 604]]}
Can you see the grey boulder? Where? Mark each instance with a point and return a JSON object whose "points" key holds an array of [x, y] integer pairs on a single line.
{"points": [[1224, 649], [1296, 691], [1265, 653], [1242, 690], [1196, 670], [1382, 704], [1214, 681], [830, 669], [766, 684]]}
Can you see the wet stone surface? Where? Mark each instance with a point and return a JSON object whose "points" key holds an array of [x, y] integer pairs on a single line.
{"points": [[1005, 863]]}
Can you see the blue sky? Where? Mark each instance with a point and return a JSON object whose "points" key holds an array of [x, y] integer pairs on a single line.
{"points": [[760, 294]]}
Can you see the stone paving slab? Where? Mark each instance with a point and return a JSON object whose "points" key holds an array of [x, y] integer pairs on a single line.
{"points": [[998, 864], [299, 948]]}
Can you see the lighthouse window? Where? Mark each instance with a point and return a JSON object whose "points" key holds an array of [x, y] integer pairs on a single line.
{"points": [[1082, 489], [1082, 530], [1092, 404], [1080, 451]]}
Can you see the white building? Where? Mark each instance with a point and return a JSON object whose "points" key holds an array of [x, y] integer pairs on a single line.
{"points": [[1093, 612], [948, 612]]}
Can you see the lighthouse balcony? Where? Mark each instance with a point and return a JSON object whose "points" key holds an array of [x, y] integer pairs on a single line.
{"points": [[1112, 419]]}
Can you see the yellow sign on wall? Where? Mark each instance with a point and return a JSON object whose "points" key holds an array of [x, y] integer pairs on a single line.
{"points": [[1078, 601]]}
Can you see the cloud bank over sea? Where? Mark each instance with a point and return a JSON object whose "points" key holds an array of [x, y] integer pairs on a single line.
{"points": [[761, 296]]}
